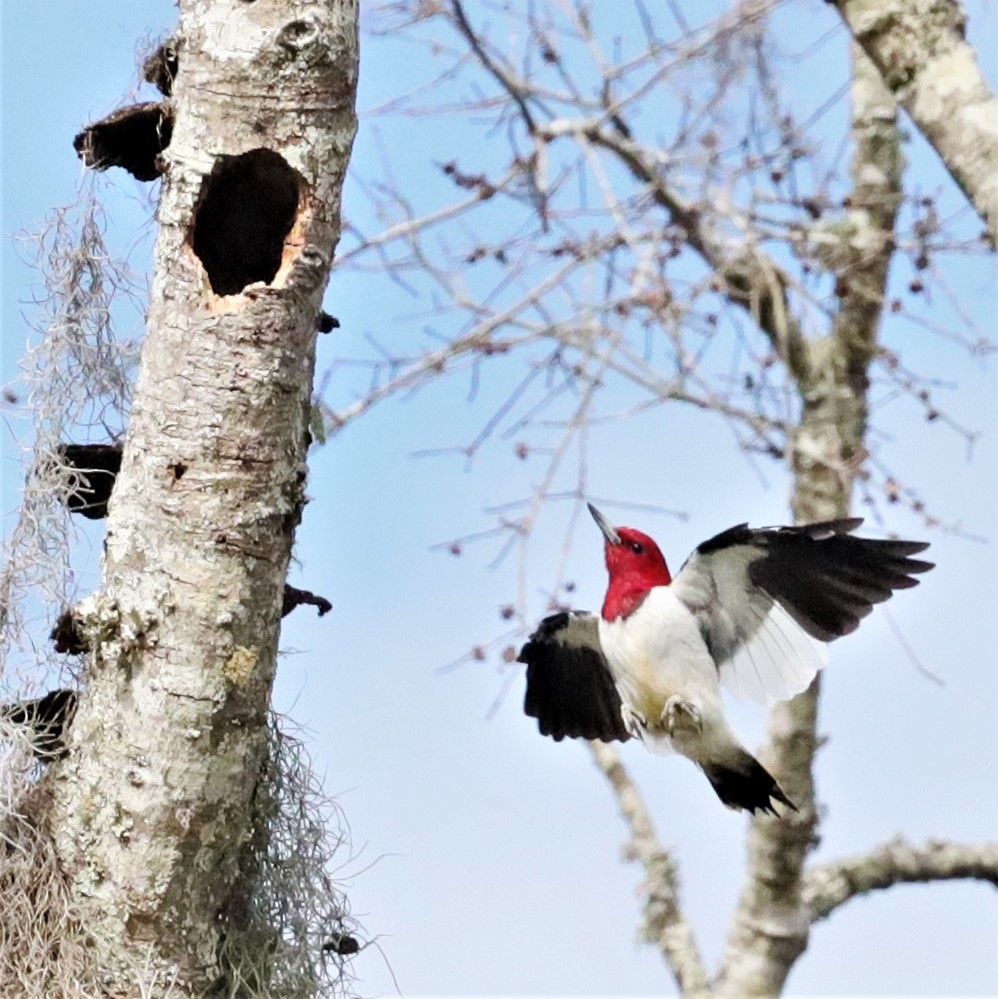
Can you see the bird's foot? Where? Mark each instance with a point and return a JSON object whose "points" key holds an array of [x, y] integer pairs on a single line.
{"points": [[681, 717], [634, 721]]}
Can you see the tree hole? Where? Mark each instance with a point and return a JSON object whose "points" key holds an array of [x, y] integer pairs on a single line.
{"points": [[246, 210]]}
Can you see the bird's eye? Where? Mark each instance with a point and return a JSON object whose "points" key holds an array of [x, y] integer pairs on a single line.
{"points": [[637, 548]]}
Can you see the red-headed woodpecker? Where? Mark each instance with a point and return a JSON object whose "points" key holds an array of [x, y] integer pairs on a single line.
{"points": [[750, 608]]}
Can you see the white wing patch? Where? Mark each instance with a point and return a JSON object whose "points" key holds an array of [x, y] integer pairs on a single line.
{"points": [[779, 661]]}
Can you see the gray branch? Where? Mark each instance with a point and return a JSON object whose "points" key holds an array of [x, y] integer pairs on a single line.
{"points": [[665, 926], [829, 886], [751, 280], [918, 46]]}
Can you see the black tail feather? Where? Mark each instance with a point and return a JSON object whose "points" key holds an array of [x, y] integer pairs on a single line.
{"points": [[742, 782]]}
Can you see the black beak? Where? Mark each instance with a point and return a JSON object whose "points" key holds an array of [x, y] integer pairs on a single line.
{"points": [[609, 531]]}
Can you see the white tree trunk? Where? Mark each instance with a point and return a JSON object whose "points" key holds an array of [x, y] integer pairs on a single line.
{"points": [[151, 808]]}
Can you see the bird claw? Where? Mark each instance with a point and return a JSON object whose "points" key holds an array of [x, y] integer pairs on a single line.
{"points": [[681, 717], [634, 721]]}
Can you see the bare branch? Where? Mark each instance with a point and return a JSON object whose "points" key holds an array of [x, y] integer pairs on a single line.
{"points": [[828, 886], [664, 922], [750, 279], [516, 92], [918, 46]]}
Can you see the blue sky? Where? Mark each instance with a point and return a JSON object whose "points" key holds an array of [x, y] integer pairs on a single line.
{"points": [[487, 860]]}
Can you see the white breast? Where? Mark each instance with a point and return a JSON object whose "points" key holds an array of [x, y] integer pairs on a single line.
{"points": [[659, 652]]}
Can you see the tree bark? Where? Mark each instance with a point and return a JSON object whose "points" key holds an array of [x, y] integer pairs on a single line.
{"points": [[665, 926], [919, 49], [771, 925], [152, 806], [827, 886]]}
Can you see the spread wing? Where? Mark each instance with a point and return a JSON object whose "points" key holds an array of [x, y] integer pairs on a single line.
{"points": [[570, 690], [765, 598]]}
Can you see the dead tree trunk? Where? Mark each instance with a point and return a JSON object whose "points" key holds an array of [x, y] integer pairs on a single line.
{"points": [[151, 807]]}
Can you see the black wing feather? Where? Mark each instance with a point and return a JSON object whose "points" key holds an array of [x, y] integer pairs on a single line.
{"points": [[570, 690], [827, 579]]}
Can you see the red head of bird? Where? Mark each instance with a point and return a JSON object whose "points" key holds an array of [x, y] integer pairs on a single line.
{"points": [[635, 565]]}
